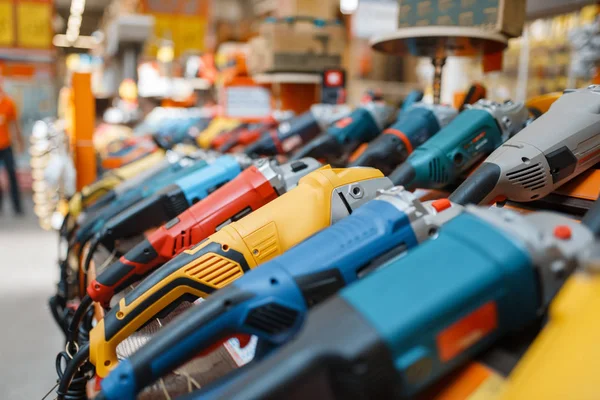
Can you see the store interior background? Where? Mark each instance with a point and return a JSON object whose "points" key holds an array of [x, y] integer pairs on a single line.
{"points": [[36, 62]]}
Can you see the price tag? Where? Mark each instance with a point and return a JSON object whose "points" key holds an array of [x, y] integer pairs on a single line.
{"points": [[33, 25], [7, 36]]}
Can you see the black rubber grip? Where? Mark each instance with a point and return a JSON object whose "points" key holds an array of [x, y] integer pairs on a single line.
{"points": [[404, 175], [324, 146], [477, 186], [384, 153], [153, 211], [142, 253]]}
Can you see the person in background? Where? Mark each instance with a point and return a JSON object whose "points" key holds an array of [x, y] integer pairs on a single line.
{"points": [[9, 124]]}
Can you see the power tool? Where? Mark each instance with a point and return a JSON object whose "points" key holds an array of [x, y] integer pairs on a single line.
{"points": [[489, 273], [320, 199], [360, 126], [297, 130], [253, 188], [96, 190], [272, 301], [475, 93], [538, 105], [243, 137], [217, 126], [168, 202], [414, 97], [471, 136], [413, 128], [553, 149], [562, 363], [151, 173], [93, 222]]}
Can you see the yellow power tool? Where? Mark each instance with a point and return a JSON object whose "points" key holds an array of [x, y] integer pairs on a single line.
{"points": [[564, 361], [320, 199], [214, 129], [539, 105]]}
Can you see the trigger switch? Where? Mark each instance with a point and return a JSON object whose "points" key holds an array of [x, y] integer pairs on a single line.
{"points": [[298, 166]]}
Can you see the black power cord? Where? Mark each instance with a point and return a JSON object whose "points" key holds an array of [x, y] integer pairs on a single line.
{"points": [[73, 379]]}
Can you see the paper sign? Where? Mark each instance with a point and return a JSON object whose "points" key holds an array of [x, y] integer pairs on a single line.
{"points": [[7, 36], [33, 25]]}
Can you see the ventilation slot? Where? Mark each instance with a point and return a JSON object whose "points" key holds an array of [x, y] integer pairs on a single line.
{"points": [[215, 270], [271, 318], [437, 171], [530, 178]]}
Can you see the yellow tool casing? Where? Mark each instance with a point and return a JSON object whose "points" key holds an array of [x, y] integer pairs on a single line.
{"points": [[541, 104], [90, 193], [564, 361], [214, 129], [235, 249]]}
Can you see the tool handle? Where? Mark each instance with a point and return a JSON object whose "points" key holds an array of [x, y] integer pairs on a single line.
{"points": [[397, 142], [413, 97], [479, 187], [351, 351], [195, 273], [224, 313], [95, 191], [94, 222], [150, 212], [102, 202]]}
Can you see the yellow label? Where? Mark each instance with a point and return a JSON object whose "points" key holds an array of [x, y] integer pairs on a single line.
{"points": [[7, 36], [33, 25], [189, 34]]}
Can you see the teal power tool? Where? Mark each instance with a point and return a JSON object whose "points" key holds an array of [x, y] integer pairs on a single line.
{"points": [[414, 127], [470, 137], [298, 130], [414, 97], [304, 276], [419, 317], [362, 125], [553, 149]]}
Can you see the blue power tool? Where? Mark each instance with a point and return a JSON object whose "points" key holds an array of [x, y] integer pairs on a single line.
{"points": [[488, 273], [271, 302], [362, 125], [289, 134]]}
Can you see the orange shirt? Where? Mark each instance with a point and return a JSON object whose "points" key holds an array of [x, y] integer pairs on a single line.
{"points": [[8, 114]]}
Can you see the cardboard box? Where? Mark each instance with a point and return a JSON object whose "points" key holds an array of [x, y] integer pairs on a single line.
{"points": [[503, 16], [324, 9], [299, 46]]}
